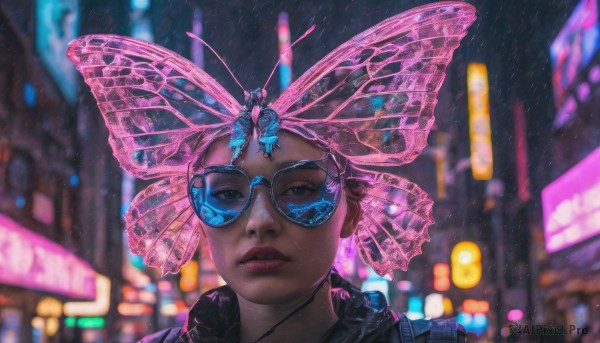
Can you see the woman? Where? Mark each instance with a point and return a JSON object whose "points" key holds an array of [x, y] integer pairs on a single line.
{"points": [[272, 188]]}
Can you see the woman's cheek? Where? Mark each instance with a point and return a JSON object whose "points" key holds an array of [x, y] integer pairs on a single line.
{"points": [[218, 251]]}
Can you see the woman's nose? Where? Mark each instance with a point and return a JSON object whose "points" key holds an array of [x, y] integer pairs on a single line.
{"points": [[262, 216]]}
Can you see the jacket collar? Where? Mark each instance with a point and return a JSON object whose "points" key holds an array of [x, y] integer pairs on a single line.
{"points": [[216, 317]]}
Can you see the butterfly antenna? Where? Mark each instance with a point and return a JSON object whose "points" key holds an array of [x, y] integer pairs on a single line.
{"points": [[193, 36], [310, 29]]}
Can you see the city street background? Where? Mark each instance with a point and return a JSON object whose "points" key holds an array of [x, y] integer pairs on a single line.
{"points": [[516, 240]]}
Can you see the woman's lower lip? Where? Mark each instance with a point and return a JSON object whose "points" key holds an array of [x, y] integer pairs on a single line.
{"points": [[263, 266]]}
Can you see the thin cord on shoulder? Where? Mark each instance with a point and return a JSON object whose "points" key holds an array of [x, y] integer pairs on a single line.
{"points": [[308, 301], [310, 29], [193, 36]]}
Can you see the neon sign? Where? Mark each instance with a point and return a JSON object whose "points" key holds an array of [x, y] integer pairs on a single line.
{"points": [[283, 36], [434, 305], [466, 264], [479, 122], [441, 277], [98, 307], [473, 306], [571, 205], [475, 323], [34, 262]]}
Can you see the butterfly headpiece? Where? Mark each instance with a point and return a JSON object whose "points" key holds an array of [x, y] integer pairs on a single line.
{"points": [[370, 101]]}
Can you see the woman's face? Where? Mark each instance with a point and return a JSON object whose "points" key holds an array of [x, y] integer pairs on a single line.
{"points": [[309, 252]]}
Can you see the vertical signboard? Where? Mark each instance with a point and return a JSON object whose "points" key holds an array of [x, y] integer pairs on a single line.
{"points": [[521, 151], [283, 36], [197, 52], [479, 122], [441, 277], [441, 166]]}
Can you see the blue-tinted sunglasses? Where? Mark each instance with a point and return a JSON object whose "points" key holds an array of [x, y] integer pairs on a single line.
{"points": [[306, 193]]}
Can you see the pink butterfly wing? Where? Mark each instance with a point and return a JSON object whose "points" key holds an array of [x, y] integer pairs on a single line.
{"points": [[162, 112], [162, 226], [372, 99], [396, 215], [161, 109]]}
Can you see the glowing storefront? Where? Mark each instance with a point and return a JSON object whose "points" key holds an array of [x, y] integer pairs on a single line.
{"points": [[32, 267], [571, 210]]}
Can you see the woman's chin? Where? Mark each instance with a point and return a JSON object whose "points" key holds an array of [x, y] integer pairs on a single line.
{"points": [[268, 293]]}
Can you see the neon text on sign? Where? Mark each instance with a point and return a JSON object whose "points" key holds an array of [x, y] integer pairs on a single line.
{"points": [[572, 205], [31, 261]]}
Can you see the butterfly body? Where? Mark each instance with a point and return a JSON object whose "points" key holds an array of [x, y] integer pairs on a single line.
{"points": [[242, 128], [268, 128], [257, 118]]}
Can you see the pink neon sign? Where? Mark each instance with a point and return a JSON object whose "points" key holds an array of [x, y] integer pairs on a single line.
{"points": [[571, 205], [34, 262]]}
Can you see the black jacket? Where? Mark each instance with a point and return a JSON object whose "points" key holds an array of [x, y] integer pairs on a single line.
{"points": [[363, 317]]}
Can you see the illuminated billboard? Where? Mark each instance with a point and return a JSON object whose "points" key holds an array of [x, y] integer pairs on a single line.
{"points": [[573, 49], [57, 25], [31, 261], [571, 205]]}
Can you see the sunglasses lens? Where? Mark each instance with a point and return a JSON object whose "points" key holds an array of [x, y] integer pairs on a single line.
{"points": [[219, 197], [307, 193]]}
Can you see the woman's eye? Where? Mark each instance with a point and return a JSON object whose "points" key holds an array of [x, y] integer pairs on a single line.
{"points": [[301, 190], [228, 194]]}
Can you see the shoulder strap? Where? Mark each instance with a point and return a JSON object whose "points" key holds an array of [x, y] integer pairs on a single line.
{"points": [[405, 329], [443, 330], [431, 331]]}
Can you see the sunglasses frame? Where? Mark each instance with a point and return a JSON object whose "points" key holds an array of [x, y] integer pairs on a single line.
{"points": [[262, 180]]}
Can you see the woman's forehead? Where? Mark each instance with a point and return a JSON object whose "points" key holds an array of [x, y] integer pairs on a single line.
{"points": [[291, 149]]}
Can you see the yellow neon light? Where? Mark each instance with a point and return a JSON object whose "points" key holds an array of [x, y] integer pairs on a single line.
{"points": [[466, 264], [52, 325], [96, 308], [49, 307], [448, 309], [189, 277], [479, 122]]}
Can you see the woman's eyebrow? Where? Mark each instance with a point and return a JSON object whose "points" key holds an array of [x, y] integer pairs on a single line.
{"points": [[285, 164]]}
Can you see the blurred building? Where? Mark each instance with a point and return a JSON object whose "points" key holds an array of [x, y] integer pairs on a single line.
{"points": [[59, 202], [570, 205]]}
